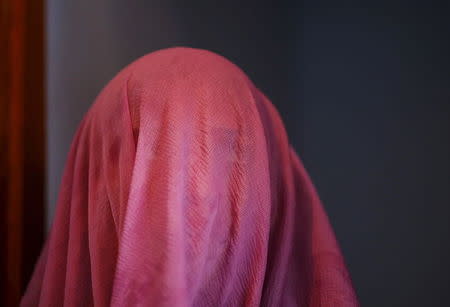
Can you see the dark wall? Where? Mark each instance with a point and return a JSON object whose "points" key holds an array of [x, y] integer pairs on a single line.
{"points": [[376, 95], [364, 91]]}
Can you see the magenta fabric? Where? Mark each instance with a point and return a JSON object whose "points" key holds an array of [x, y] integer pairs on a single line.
{"points": [[182, 189]]}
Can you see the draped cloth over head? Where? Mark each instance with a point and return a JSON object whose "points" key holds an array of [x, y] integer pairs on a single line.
{"points": [[181, 189]]}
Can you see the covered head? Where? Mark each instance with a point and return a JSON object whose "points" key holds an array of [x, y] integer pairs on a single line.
{"points": [[182, 189]]}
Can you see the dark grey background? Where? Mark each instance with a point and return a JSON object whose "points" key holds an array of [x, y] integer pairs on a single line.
{"points": [[363, 88]]}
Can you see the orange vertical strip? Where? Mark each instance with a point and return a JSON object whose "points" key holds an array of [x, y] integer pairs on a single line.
{"points": [[22, 143], [15, 193]]}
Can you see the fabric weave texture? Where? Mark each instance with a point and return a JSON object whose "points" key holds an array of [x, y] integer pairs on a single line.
{"points": [[181, 189]]}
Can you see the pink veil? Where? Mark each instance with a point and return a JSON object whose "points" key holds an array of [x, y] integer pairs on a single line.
{"points": [[181, 189]]}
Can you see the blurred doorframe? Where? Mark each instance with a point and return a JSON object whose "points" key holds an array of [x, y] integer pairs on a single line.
{"points": [[22, 144]]}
